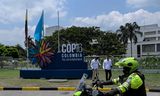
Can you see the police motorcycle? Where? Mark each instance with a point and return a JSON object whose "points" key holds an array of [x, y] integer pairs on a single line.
{"points": [[83, 90]]}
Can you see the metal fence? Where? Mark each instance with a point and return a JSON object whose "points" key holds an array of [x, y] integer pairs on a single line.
{"points": [[16, 63], [147, 62]]}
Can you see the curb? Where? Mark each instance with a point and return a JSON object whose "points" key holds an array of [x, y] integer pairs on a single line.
{"points": [[58, 89], [38, 88]]}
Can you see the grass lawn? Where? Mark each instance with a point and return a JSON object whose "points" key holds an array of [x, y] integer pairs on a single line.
{"points": [[10, 78]]}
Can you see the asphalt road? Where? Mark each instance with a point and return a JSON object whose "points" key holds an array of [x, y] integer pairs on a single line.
{"points": [[49, 93]]}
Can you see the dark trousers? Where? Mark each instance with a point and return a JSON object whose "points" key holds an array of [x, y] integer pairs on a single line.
{"points": [[108, 74]]}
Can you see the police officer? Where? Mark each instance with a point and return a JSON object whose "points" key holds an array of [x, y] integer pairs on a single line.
{"points": [[131, 83]]}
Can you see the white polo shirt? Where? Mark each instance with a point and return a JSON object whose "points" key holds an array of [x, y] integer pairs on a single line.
{"points": [[107, 64], [95, 64]]}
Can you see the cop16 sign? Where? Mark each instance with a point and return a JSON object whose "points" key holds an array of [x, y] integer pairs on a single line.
{"points": [[71, 48], [71, 52]]}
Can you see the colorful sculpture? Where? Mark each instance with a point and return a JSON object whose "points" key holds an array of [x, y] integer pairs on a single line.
{"points": [[39, 52]]}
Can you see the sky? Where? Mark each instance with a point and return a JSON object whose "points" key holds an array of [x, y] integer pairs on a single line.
{"points": [[106, 14]]}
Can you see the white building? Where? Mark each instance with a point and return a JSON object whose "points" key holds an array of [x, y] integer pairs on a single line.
{"points": [[148, 43], [51, 30]]}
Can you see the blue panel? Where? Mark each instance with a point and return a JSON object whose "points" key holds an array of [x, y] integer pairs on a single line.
{"points": [[60, 74], [68, 64], [58, 63]]}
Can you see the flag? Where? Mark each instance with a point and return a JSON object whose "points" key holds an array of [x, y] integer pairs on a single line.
{"points": [[39, 29], [26, 25]]}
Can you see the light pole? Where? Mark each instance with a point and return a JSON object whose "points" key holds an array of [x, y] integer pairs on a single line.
{"points": [[58, 34]]}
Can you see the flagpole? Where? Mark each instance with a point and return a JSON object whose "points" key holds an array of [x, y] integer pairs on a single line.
{"points": [[27, 35], [43, 24], [58, 34]]}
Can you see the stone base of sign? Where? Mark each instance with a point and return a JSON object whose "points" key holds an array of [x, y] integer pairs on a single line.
{"points": [[55, 74]]}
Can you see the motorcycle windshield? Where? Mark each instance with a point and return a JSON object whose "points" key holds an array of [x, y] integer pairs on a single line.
{"points": [[81, 85]]}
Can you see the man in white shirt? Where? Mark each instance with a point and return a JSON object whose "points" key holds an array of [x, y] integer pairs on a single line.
{"points": [[107, 66], [94, 66]]}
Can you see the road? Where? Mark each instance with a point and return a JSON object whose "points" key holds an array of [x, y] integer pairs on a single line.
{"points": [[49, 93]]}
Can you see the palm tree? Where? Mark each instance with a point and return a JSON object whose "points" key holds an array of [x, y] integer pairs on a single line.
{"points": [[128, 32]]}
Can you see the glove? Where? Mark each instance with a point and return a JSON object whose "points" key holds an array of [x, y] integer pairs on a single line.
{"points": [[98, 83], [109, 82], [101, 83]]}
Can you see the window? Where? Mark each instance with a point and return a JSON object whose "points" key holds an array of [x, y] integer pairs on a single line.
{"points": [[158, 31], [148, 48], [158, 47], [150, 39], [138, 50], [150, 33]]}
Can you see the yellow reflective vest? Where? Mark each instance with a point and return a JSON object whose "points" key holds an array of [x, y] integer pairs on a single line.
{"points": [[133, 85]]}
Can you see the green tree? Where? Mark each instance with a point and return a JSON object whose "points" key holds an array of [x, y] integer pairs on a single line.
{"points": [[74, 34], [22, 52], [128, 32], [108, 42], [2, 48], [11, 52]]}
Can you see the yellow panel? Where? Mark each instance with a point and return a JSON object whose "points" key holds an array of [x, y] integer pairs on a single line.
{"points": [[1, 88], [66, 88]]}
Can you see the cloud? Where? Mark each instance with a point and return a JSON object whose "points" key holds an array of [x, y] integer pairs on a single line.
{"points": [[12, 13], [143, 3], [14, 10], [16, 35], [12, 37], [114, 19]]}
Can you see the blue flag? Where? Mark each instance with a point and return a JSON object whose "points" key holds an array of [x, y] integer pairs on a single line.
{"points": [[39, 29]]}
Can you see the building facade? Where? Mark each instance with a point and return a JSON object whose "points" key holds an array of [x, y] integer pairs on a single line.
{"points": [[52, 29], [148, 43]]}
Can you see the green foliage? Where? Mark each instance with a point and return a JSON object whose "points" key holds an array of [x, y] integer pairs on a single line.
{"points": [[2, 49], [108, 42], [22, 52], [128, 32], [150, 62], [12, 51]]}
